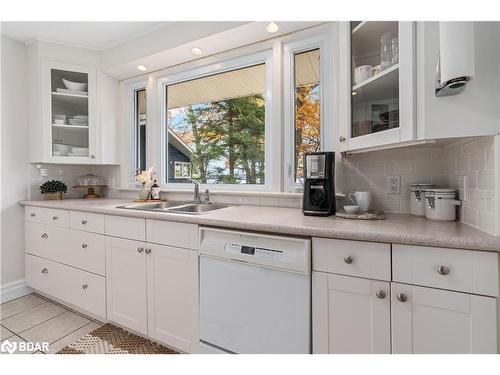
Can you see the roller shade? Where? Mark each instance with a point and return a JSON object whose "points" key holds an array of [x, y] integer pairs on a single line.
{"points": [[238, 83]]}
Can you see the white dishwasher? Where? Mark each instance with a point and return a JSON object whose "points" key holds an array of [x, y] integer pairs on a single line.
{"points": [[255, 293]]}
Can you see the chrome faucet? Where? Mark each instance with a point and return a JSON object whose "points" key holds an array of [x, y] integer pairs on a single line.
{"points": [[197, 198]]}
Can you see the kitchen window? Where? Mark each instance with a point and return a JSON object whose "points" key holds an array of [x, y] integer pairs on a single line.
{"points": [[140, 122], [306, 89], [215, 128]]}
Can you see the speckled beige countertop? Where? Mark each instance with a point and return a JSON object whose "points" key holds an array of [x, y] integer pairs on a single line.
{"points": [[397, 228]]}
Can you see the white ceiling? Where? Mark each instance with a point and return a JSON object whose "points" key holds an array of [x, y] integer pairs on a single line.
{"points": [[92, 35]]}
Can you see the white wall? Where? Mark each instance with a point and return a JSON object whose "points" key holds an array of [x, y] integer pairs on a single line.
{"points": [[476, 110], [14, 161]]}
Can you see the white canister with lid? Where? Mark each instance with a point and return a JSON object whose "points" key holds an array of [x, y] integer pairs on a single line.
{"points": [[417, 198], [440, 204]]}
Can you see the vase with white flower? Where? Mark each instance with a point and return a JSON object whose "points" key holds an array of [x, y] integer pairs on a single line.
{"points": [[145, 178]]}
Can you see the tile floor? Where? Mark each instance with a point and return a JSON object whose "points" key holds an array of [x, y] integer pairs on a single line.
{"points": [[33, 318]]}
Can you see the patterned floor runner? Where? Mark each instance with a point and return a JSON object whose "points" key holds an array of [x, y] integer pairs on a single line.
{"points": [[109, 339]]}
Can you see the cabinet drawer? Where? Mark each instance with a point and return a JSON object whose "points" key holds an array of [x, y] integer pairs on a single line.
{"points": [[460, 270], [45, 240], [79, 288], [125, 227], [47, 216], [353, 258], [172, 234], [40, 274], [86, 251], [86, 221]]}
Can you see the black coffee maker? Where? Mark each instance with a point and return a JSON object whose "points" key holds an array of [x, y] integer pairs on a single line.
{"points": [[319, 184]]}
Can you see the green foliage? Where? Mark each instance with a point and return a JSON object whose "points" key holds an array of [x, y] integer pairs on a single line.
{"points": [[231, 130], [53, 186]]}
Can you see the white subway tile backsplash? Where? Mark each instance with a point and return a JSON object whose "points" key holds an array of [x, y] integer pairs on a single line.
{"points": [[442, 166]]}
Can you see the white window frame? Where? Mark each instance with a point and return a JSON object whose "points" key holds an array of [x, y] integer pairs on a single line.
{"points": [[131, 87], [323, 42], [265, 57]]}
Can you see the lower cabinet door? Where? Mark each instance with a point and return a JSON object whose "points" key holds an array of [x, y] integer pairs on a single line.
{"points": [[426, 320], [126, 283], [173, 296], [350, 314]]}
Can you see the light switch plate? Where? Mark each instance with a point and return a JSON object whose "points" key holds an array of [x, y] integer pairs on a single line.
{"points": [[393, 185]]}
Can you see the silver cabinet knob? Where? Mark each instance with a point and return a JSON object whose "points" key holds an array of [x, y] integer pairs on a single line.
{"points": [[402, 297], [148, 251], [54, 217], [84, 245], [84, 222], [140, 249], [84, 286], [380, 294], [443, 270], [45, 235], [348, 259], [45, 271], [341, 139], [33, 214], [92, 156]]}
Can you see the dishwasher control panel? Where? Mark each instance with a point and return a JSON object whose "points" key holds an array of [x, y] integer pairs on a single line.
{"points": [[257, 252]]}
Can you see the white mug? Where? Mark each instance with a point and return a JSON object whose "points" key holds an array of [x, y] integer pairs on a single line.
{"points": [[362, 73], [362, 199]]}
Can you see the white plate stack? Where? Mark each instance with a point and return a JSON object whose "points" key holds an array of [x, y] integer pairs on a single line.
{"points": [[60, 119], [79, 151], [80, 120]]}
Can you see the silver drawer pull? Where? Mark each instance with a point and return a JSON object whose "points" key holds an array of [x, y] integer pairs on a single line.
{"points": [[148, 251], [45, 235], [380, 294], [54, 217], [140, 249], [402, 297], [33, 214], [443, 270], [84, 222], [84, 286], [348, 259], [45, 271], [84, 245]]}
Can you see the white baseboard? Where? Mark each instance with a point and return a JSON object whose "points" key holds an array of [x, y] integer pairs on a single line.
{"points": [[13, 290]]}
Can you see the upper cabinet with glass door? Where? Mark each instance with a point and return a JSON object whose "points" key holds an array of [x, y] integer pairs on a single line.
{"points": [[379, 95], [69, 116]]}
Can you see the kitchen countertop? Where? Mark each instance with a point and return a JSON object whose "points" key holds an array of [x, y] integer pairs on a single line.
{"points": [[397, 228]]}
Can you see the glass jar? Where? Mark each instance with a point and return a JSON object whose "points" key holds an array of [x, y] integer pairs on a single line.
{"points": [[389, 50]]}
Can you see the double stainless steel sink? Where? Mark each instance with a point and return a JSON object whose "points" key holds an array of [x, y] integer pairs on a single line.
{"points": [[177, 207]]}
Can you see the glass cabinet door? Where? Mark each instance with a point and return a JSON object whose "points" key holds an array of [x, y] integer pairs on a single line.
{"points": [[69, 111], [374, 77]]}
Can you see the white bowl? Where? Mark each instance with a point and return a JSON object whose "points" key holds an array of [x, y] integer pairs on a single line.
{"points": [[77, 86], [351, 209]]}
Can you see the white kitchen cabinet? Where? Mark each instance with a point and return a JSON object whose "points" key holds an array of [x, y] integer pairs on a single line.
{"points": [[350, 315], [153, 290], [432, 321], [69, 117], [173, 296], [86, 126], [377, 108], [127, 283]]}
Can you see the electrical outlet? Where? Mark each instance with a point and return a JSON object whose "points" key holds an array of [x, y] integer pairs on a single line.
{"points": [[393, 185]]}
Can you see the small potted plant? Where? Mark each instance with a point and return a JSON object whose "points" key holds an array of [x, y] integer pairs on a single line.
{"points": [[53, 189]]}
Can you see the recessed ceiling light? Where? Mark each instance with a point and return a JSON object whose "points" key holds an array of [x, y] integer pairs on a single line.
{"points": [[142, 68], [272, 27], [196, 51]]}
